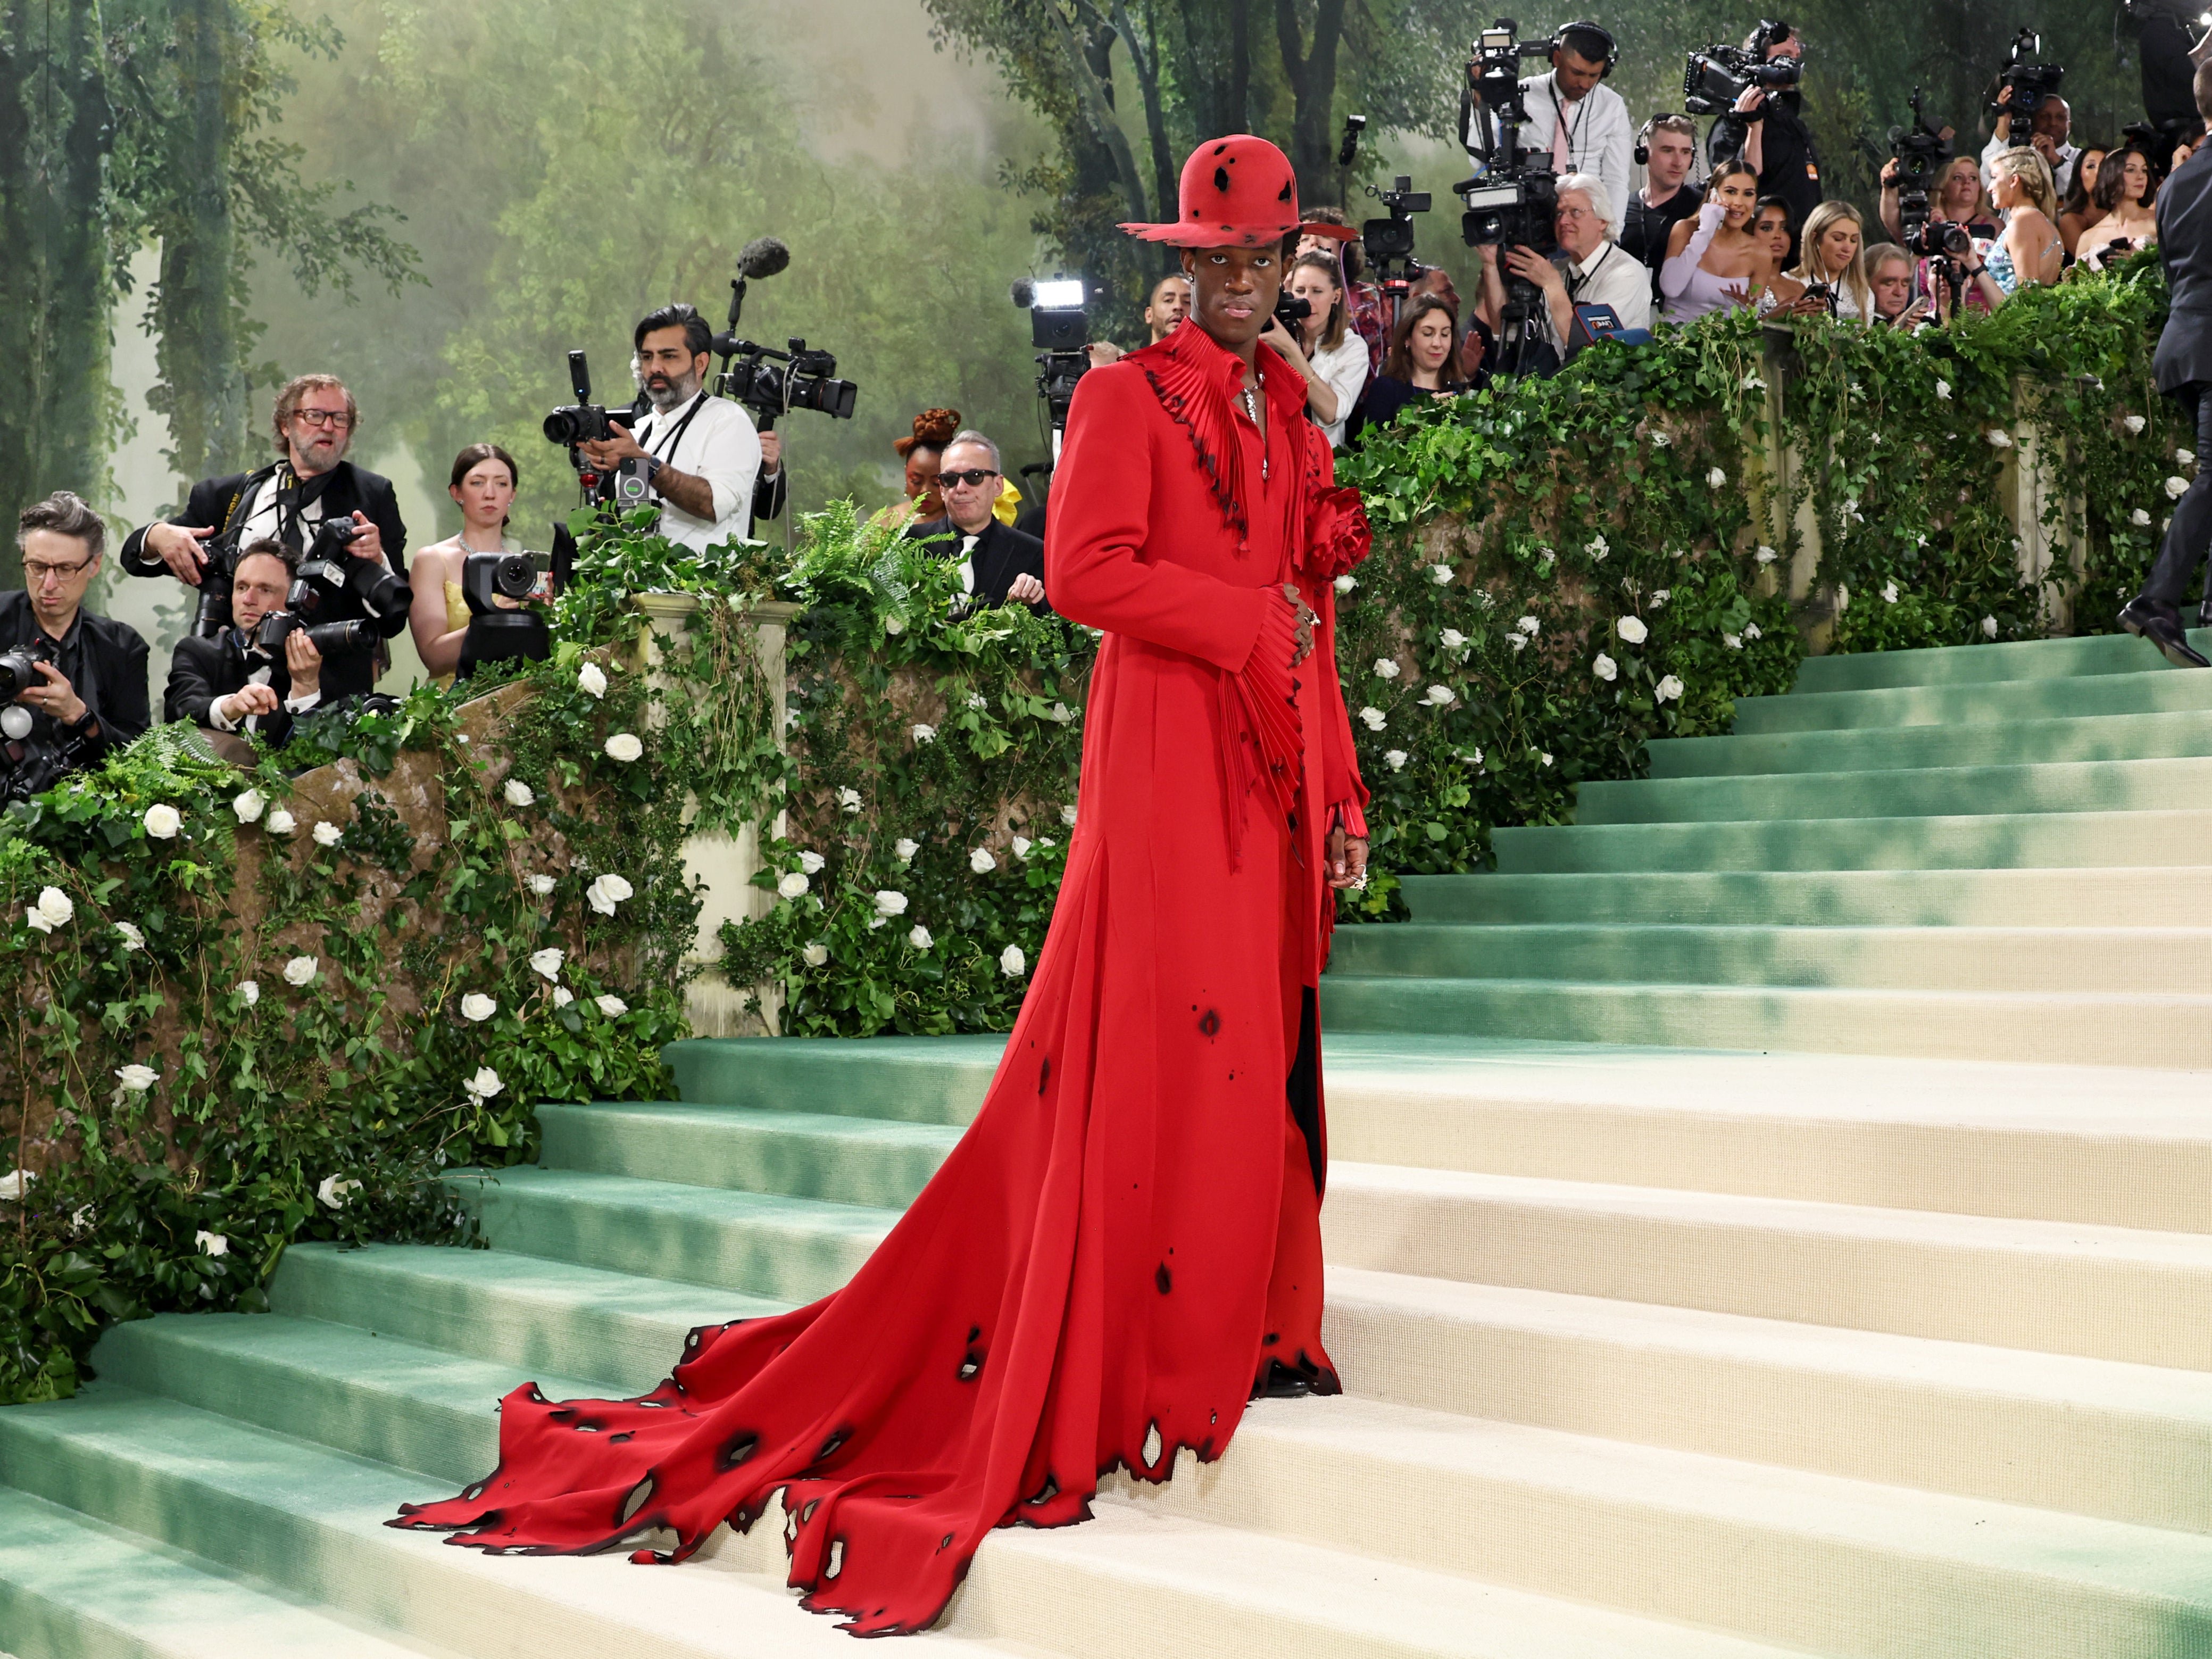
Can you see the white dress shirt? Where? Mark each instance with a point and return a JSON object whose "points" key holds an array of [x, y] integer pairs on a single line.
{"points": [[1600, 136], [1609, 276], [2062, 173], [1344, 371], [719, 444]]}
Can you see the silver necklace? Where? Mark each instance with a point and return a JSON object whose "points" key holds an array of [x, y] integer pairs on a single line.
{"points": [[1252, 413]]}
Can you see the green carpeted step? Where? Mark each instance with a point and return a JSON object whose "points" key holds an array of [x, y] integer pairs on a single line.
{"points": [[2099, 840], [801, 1154], [1976, 703], [530, 1313], [2018, 660], [908, 1080], [1924, 898], [2079, 1029], [794, 1248], [2011, 742], [2002, 959], [71, 1588], [2063, 786]]}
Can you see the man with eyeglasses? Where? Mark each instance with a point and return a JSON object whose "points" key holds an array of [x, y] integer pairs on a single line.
{"points": [[999, 564], [1596, 272], [91, 693], [288, 501]]}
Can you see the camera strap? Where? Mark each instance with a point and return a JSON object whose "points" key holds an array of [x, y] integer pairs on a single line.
{"points": [[675, 435]]}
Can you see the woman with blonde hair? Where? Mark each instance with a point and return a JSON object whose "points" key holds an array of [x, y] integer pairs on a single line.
{"points": [[2030, 249], [1955, 197], [1828, 256]]}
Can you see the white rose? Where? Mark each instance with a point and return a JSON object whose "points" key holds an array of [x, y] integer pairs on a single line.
{"points": [[54, 910], [1060, 713], [328, 834], [1395, 760], [1660, 596], [562, 996], [1734, 642], [15, 1183], [1439, 697], [476, 1008], [136, 1080], [816, 954], [1473, 757], [611, 1006], [623, 746], [1021, 846], [280, 823], [1752, 382], [889, 903], [918, 936], [1842, 597], [1751, 630], [1606, 668], [1598, 548], [485, 1085], [1632, 629], [132, 938], [1529, 626], [1889, 594], [1386, 668], [1373, 717], [978, 700], [1667, 689], [211, 1243], [605, 892], [1766, 555], [333, 1191], [250, 990], [981, 861], [848, 798], [250, 805], [2174, 487], [300, 970], [163, 821], [811, 862], [1453, 640], [2134, 424], [904, 849], [546, 963], [518, 794], [1012, 963], [1345, 583], [2139, 519], [1717, 477], [1999, 438], [2186, 456], [1989, 627], [793, 883], [1546, 759], [1518, 641], [590, 681], [1663, 439], [540, 884], [1441, 574], [1943, 389], [1067, 816], [925, 734]]}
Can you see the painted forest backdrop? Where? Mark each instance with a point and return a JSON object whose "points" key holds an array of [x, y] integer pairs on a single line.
{"points": [[437, 201]]}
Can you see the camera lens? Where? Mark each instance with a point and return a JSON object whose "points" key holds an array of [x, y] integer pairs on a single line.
{"points": [[16, 675], [514, 575]]}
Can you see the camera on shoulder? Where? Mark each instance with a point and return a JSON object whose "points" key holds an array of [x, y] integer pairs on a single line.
{"points": [[2033, 83], [1921, 152], [1715, 76]]}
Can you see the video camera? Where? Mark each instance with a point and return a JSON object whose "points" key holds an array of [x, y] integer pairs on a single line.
{"points": [[1714, 77], [1388, 242], [499, 633], [1513, 201], [2033, 83], [1921, 152], [808, 381], [1059, 329]]}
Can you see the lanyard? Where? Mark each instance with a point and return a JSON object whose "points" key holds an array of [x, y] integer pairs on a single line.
{"points": [[676, 433], [1559, 119]]}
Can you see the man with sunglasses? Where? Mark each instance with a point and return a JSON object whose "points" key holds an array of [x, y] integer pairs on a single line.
{"points": [[311, 484], [90, 694], [999, 564]]}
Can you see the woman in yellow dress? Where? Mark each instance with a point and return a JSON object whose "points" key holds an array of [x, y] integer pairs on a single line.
{"points": [[484, 485]]}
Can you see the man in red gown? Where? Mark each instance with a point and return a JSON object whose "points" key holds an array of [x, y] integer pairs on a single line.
{"points": [[1125, 1248]]}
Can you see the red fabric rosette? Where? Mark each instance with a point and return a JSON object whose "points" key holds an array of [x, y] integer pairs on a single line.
{"points": [[1337, 534]]}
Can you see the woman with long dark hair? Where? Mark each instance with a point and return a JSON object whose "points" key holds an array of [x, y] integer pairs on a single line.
{"points": [[2124, 191], [1423, 347], [482, 485], [1713, 261], [2078, 211]]}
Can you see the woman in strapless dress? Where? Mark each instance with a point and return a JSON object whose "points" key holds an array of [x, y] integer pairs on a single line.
{"points": [[1714, 261], [484, 485]]}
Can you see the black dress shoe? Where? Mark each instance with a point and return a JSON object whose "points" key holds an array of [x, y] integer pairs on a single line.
{"points": [[2148, 619]]}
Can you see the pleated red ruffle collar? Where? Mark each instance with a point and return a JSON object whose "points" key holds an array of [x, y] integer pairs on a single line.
{"points": [[1197, 380]]}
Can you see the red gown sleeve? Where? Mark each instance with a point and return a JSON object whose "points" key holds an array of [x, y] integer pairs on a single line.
{"points": [[1343, 793], [1099, 518]]}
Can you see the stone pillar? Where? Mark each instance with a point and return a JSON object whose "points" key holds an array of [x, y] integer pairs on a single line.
{"points": [[724, 863]]}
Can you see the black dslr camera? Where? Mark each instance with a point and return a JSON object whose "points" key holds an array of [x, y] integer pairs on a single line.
{"points": [[28, 767], [328, 573], [499, 633], [18, 667], [582, 421], [1292, 312], [1921, 152], [1715, 77], [2033, 83]]}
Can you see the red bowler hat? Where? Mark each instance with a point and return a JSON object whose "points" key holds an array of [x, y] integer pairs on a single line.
{"points": [[1238, 191]]}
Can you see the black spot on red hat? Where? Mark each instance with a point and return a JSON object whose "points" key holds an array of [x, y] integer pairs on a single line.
{"points": [[1290, 188], [1221, 179]]}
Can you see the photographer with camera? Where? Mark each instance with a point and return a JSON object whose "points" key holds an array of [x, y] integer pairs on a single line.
{"points": [[241, 681], [72, 684], [1596, 271], [1309, 332], [1165, 308], [999, 564], [1570, 116], [2048, 123], [2183, 366], [1956, 197], [312, 493], [1669, 150], [698, 455], [2123, 195], [1765, 125]]}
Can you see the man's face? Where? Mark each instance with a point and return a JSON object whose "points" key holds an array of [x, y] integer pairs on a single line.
{"points": [[1892, 282], [1575, 75], [1169, 305], [1671, 153], [1233, 290], [667, 371], [969, 504], [319, 431], [1793, 47], [2053, 120], [56, 570], [257, 587], [1579, 229]]}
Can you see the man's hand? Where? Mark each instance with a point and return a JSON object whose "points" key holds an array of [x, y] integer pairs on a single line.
{"points": [[368, 542], [2047, 146], [1346, 857], [1748, 105], [605, 457], [1526, 262], [1488, 253], [1024, 589], [302, 662], [249, 700], [1103, 352], [1305, 624], [57, 696], [1889, 175], [771, 452], [178, 546]]}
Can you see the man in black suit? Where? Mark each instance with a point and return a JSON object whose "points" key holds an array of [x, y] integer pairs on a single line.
{"points": [[999, 564], [310, 483], [90, 693], [2184, 368], [227, 684]]}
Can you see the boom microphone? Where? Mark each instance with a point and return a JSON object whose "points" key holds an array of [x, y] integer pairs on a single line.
{"points": [[764, 256]]}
